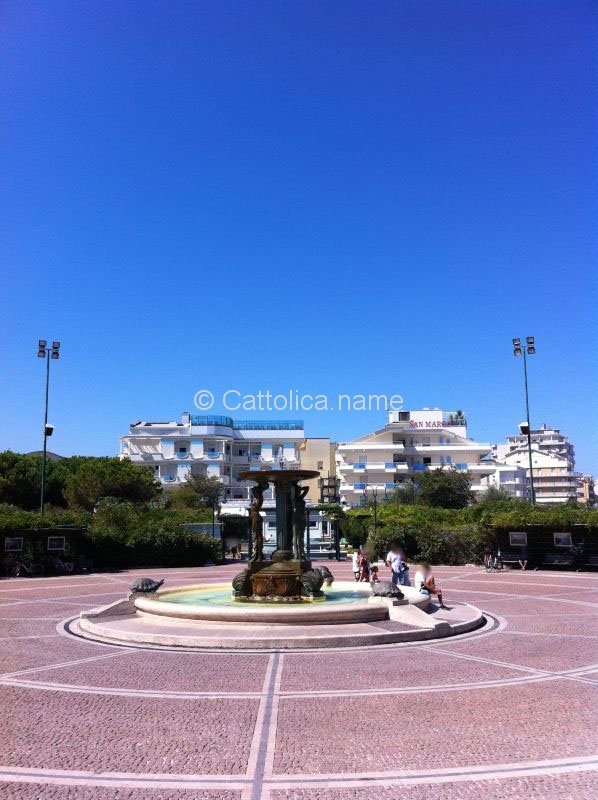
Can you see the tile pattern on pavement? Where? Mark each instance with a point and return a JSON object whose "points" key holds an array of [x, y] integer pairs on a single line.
{"points": [[509, 714]]}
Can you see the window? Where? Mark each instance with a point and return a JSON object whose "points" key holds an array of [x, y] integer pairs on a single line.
{"points": [[427, 460], [399, 459], [563, 540], [13, 544], [398, 439], [313, 523], [404, 416], [271, 523], [182, 449], [56, 542], [320, 465], [518, 539]]}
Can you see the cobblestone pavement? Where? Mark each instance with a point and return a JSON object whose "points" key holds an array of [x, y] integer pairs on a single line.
{"points": [[508, 712]]}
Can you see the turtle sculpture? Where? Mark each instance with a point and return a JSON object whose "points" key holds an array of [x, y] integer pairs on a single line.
{"points": [[327, 576], [386, 589], [145, 586], [311, 581]]}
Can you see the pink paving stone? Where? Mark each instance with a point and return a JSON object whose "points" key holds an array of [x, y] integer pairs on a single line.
{"points": [[584, 625], [554, 719], [33, 791], [574, 786], [17, 654], [58, 610], [26, 627], [168, 671], [398, 668], [125, 734], [529, 651]]}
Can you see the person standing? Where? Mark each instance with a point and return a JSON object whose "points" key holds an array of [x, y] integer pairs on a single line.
{"points": [[356, 558], [403, 570], [394, 560]]}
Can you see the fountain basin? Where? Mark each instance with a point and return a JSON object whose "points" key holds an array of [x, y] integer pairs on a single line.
{"points": [[343, 602]]}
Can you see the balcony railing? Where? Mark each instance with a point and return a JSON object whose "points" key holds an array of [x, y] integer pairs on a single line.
{"points": [[211, 420], [268, 425]]}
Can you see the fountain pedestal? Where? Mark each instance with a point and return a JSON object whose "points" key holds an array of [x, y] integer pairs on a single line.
{"points": [[282, 577]]}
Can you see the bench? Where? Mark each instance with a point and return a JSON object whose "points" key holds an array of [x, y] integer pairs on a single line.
{"points": [[558, 560], [510, 556]]}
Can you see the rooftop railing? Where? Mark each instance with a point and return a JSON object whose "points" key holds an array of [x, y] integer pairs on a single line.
{"points": [[268, 424]]}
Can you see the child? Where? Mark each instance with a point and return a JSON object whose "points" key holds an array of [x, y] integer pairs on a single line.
{"points": [[374, 575], [364, 569]]}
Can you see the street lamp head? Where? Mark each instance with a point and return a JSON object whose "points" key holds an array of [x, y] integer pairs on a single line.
{"points": [[517, 351], [41, 343], [54, 354], [41, 353], [55, 345], [529, 340], [531, 350], [516, 342]]}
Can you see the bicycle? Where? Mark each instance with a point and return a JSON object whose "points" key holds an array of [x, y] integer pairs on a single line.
{"points": [[493, 561], [30, 569]]}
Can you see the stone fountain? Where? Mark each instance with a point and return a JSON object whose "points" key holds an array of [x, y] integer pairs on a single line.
{"points": [[288, 576], [270, 606]]}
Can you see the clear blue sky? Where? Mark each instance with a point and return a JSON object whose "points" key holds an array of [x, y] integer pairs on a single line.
{"points": [[333, 197]]}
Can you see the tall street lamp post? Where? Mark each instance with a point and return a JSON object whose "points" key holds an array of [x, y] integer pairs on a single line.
{"points": [[374, 490], [43, 351], [527, 349]]}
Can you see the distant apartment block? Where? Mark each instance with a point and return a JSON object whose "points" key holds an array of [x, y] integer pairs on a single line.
{"points": [[410, 442]]}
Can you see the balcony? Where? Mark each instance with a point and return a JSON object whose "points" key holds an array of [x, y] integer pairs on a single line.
{"points": [[359, 466]]}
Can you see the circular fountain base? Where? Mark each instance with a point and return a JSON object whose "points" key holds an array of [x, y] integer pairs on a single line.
{"points": [[191, 617]]}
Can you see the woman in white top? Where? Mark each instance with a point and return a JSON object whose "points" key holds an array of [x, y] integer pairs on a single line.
{"points": [[356, 559], [424, 583]]}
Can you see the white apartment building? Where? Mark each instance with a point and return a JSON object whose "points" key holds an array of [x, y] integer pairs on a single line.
{"points": [[511, 477], [222, 447], [544, 439], [553, 463], [216, 446], [410, 442]]}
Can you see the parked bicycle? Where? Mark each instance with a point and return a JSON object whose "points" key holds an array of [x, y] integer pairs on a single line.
{"points": [[493, 561], [29, 569]]}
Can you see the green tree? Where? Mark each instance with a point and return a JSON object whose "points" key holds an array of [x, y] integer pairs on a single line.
{"points": [[183, 498], [444, 488], [209, 491], [110, 477], [496, 494], [405, 492], [20, 481]]}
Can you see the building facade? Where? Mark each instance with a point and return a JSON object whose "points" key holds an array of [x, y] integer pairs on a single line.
{"points": [[553, 463], [409, 443], [513, 478], [585, 491], [222, 447]]}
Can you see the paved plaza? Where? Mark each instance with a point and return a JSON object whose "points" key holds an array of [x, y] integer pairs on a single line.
{"points": [[508, 712]]}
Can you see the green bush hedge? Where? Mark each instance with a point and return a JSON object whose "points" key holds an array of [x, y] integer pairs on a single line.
{"points": [[122, 536], [431, 543]]}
